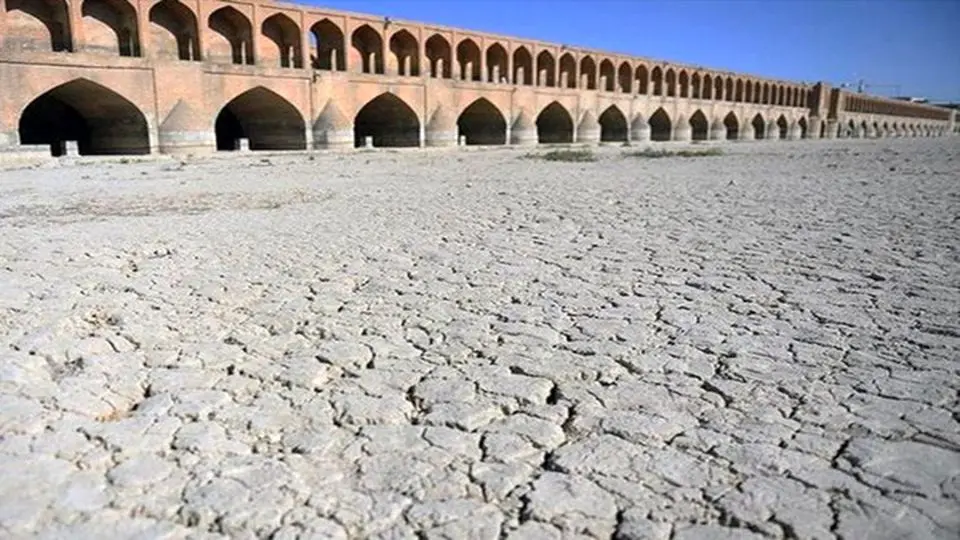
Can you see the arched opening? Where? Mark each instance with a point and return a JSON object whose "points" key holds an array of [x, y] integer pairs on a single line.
{"points": [[232, 37], [38, 25], [707, 87], [264, 118], [97, 118], [661, 128], [554, 125], [329, 53], [803, 127], [757, 91], [406, 52], [733, 126], [748, 92], [656, 77], [670, 79], [482, 123], [607, 81], [496, 63], [765, 98], [588, 73], [759, 127], [738, 95], [823, 130], [718, 89], [546, 69], [864, 129], [728, 89], [390, 121], [780, 95], [699, 126], [625, 76], [782, 127], [877, 132], [568, 71], [684, 84], [613, 125], [643, 80], [522, 67], [468, 57], [284, 34], [110, 26], [440, 57], [173, 31], [369, 46], [695, 86]]}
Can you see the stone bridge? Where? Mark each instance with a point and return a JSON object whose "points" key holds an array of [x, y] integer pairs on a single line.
{"points": [[193, 76]]}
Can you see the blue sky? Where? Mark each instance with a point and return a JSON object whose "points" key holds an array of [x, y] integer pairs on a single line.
{"points": [[911, 43]]}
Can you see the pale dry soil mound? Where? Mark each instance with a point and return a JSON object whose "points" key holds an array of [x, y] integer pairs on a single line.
{"points": [[473, 344]]}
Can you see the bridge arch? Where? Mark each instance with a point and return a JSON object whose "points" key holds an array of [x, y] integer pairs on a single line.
{"points": [[110, 26], [554, 124], [568, 71], [468, 57], [497, 62], [328, 49], [369, 47], [588, 73], [699, 126], [99, 119], [406, 53], [613, 125], [522, 67], [266, 119], [643, 79], [389, 120], [439, 56], [661, 127], [782, 127], [625, 77], [546, 69], [482, 123], [174, 31], [732, 123], [39, 25], [231, 37], [759, 127], [284, 34]]}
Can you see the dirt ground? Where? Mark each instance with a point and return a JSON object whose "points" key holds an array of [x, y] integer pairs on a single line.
{"points": [[443, 344]]}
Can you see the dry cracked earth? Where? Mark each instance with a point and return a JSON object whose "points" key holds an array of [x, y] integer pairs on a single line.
{"points": [[762, 344]]}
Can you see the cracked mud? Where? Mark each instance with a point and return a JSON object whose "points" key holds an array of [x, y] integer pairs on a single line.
{"points": [[448, 345]]}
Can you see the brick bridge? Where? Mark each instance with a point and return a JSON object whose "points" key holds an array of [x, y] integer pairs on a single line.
{"points": [[143, 76]]}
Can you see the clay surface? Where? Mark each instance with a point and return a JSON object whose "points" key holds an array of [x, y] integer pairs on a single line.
{"points": [[453, 344]]}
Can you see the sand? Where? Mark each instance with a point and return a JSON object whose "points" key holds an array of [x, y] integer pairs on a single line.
{"points": [[443, 344]]}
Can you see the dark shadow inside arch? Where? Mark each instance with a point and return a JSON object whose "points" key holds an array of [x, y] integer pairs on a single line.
{"points": [[390, 121], [613, 125], [782, 127], [732, 125], [482, 123], [264, 118], [758, 127], [803, 127], [554, 125], [101, 121], [660, 126], [699, 126]]}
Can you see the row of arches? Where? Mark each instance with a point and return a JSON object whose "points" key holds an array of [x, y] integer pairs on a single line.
{"points": [[111, 26], [103, 122]]}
